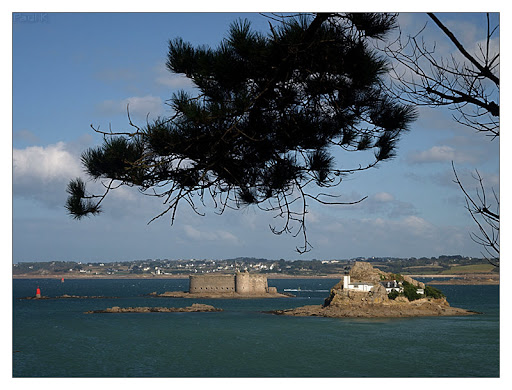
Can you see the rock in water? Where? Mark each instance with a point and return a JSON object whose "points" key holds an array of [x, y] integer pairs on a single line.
{"points": [[196, 307]]}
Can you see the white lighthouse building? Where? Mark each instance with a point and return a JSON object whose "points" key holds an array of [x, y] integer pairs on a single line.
{"points": [[362, 286]]}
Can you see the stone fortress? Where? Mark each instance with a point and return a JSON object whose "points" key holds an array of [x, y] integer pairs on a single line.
{"points": [[240, 283]]}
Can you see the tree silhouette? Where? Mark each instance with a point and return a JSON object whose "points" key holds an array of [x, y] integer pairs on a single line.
{"points": [[466, 83], [485, 213], [271, 112]]}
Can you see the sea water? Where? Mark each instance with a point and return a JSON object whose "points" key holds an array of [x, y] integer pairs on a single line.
{"points": [[55, 338]]}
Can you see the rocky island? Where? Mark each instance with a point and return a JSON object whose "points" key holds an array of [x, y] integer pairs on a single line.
{"points": [[368, 292], [196, 307], [67, 296]]}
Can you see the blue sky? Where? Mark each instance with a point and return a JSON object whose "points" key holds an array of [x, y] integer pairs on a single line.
{"points": [[71, 70]]}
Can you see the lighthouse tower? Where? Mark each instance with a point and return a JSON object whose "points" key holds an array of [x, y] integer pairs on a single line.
{"points": [[346, 278], [38, 292]]}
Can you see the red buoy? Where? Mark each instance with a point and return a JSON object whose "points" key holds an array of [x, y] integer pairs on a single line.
{"points": [[38, 292]]}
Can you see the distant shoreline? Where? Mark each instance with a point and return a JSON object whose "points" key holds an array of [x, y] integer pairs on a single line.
{"points": [[185, 277], [461, 279]]}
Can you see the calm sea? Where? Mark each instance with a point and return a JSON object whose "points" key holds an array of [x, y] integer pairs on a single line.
{"points": [[54, 338]]}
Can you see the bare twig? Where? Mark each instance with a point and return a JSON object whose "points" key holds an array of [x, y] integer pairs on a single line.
{"points": [[486, 220]]}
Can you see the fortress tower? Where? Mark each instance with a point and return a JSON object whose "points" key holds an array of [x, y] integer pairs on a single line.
{"points": [[246, 283]]}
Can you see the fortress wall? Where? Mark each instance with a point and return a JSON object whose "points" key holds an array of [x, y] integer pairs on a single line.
{"points": [[250, 284], [242, 283], [259, 283], [211, 283]]}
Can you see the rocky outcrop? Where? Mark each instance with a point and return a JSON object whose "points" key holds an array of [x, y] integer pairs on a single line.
{"points": [[414, 282], [364, 272], [196, 307], [66, 296], [375, 303], [365, 309], [340, 297]]}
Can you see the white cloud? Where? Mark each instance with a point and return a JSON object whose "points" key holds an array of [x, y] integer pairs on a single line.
{"points": [[383, 197], [138, 106], [44, 164], [407, 236], [217, 235], [465, 31], [490, 179], [192, 232], [227, 236], [441, 153], [380, 203], [410, 225], [42, 173], [172, 80], [25, 136], [416, 225]]}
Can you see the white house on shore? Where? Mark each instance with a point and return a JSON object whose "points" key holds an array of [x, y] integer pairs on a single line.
{"points": [[392, 285]]}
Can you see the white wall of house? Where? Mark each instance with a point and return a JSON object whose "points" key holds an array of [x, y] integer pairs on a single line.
{"points": [[347, 285], [360, 286]]}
